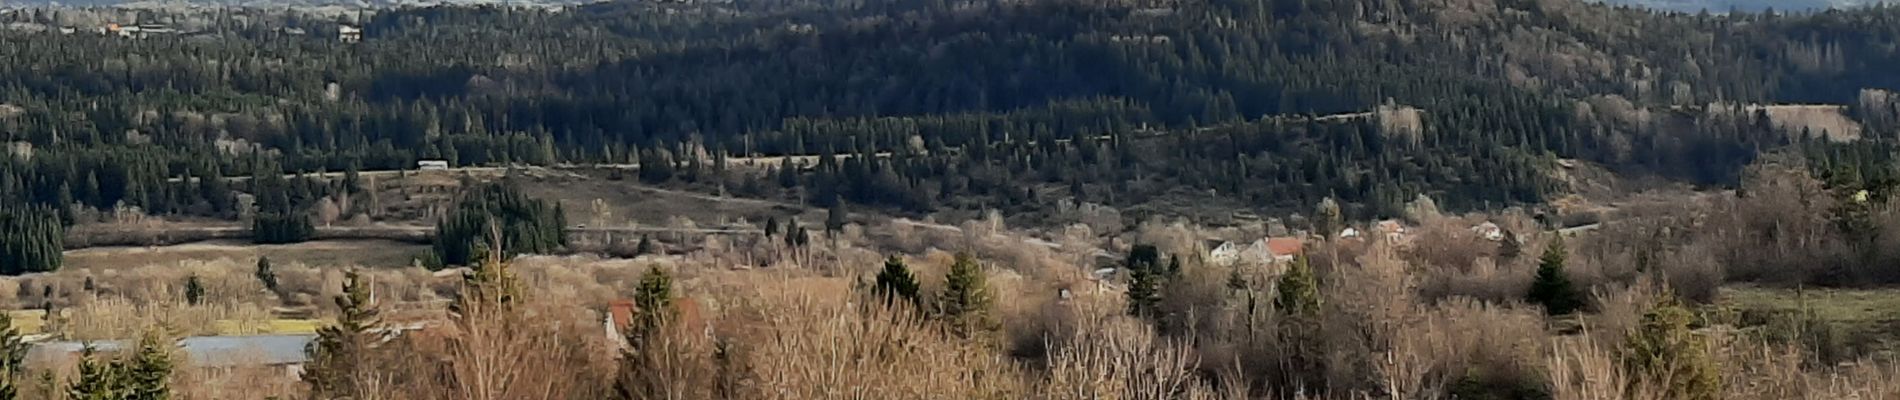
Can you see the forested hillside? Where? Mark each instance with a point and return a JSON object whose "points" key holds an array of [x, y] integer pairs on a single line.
{"points": [[963, 104]]}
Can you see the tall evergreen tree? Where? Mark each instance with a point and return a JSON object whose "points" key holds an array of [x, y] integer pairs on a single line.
{"points": [[97, 379], [148, 373], [966, 299], [1552, 288], [1298, 289], [339, 358], [265, 274], [194, 290], [836, 216], [895, 282], [645, 247]]}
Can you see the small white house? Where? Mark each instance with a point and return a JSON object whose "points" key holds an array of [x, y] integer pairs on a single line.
{"points": [[432, 165], [1227, 253], [349, 34]]}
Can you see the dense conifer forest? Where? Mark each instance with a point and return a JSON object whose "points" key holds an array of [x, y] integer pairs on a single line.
{"points": [[921, 105]]}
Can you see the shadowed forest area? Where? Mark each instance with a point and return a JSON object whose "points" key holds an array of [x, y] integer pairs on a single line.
{"points": [[1047, 199]]}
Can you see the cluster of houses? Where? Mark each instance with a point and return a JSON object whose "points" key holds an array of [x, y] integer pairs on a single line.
{"points": [[1275, 250]]}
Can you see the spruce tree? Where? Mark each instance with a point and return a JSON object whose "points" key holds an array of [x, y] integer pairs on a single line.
{"points": [[96, 379], [654, 300], [1665, 350], [1552, 287], [835, 217], [1298, 289], [965, 301], [896, 282], [645, 247], [1144, 291], [265, 275], [148, 372], [194, 290], [339, 353]]}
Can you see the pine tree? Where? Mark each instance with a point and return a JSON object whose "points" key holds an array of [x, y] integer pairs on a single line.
{"points": [[642, 363], [490, 285], [97, 379], [1665, 350], [771, 227], [654, 300], [1552, 288], [194, 290], [645, 247], [13, 350], [836, 216], [1298, 289], [896, 282], [265, 275], [965, 301], [147, 373], [1144, 291], [338, 356]]}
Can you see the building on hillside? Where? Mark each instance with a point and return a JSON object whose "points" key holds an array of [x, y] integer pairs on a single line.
{"points": [[1489, 231], [1224, 253], [349, 34], [1258, 252], [1393, 230], [432, 165], [216, 354], [1284, 249]]}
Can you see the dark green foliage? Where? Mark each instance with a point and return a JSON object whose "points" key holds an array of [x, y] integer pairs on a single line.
{"points": [[1144, 291], [965, 301], [896, 283], [340, 354], [283, 209], [1146, 278], [999, 99], [149, 371], [800, 238], [194, 290], [1298, 289], [528, 225], [653, 301], [97, 379], [771, 227], [1665, 350], [836, 216], [645, 247], [33, 241], [265, 274], [1552, 288], [143, 375]]}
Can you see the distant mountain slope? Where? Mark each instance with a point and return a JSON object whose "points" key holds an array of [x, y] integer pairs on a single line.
{"points": [[1721, 6]]}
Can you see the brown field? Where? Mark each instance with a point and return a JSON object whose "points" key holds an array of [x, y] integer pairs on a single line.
{"points": [[370, 253]]}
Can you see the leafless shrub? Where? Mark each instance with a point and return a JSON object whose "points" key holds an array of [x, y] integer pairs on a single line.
{"points": [[1117, 357]]}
